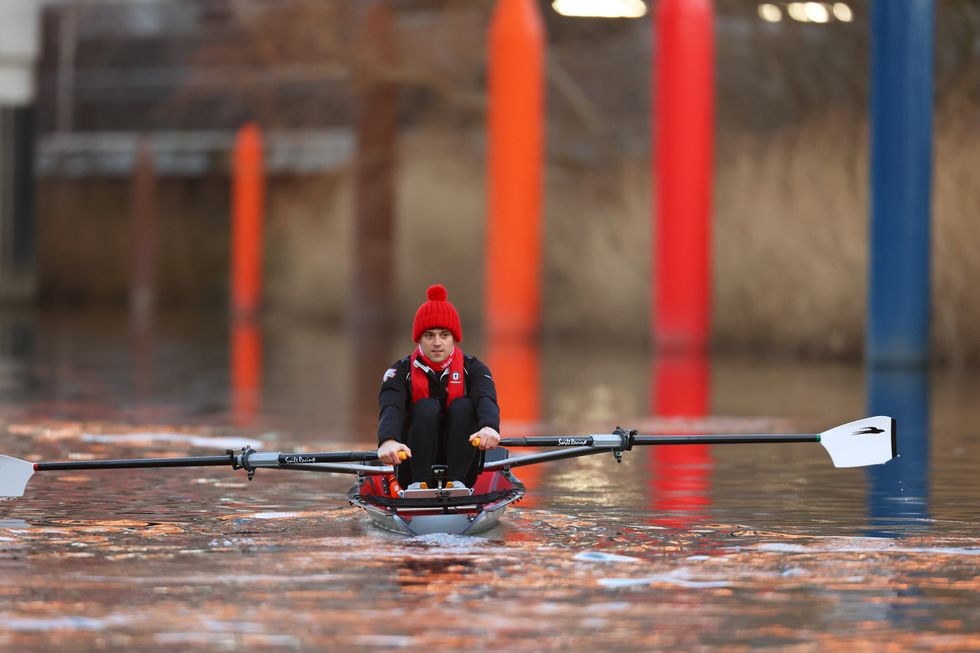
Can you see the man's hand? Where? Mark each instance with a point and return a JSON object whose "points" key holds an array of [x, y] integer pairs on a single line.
{"points": [[392, 452], [486, 438]]}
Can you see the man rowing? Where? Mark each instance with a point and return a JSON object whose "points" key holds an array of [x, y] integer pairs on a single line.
{"points": [[438, 405]]}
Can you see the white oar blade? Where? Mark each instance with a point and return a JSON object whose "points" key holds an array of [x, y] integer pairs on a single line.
{"points": [[14, 474], [869, 441]]}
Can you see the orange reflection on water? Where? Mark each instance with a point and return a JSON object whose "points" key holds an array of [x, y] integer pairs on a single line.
{"points": [[246, 371], [680, 474], [515, 365]]}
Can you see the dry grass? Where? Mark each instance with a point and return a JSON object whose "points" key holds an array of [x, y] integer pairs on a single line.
{"points": [[790, 239], [956, 231], [307, 251]]}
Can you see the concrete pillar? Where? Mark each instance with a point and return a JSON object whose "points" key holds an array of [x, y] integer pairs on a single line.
{"points": [[19, 47]]}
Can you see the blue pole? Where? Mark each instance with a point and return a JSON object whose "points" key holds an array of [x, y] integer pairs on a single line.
{"points": [[898, 491], [901, 181]]}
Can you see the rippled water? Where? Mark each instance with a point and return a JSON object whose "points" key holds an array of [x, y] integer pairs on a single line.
{"points": [[731, 547]]}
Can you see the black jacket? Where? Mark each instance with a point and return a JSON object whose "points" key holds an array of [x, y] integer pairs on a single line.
{"points": [[395, 397]]}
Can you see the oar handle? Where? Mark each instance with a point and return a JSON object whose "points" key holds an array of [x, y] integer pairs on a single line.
{"points": [[332, 457]]}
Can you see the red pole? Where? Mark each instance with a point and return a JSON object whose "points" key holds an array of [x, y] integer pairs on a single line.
{"points": [[248, 199], [684, 137], [246, 371], [515, 134]]}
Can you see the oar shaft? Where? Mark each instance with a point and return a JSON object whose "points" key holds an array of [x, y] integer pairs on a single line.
{"points": [[617, 439], [196, 461], [239, 458], [757, 438], [548, 441], [327, 457]]}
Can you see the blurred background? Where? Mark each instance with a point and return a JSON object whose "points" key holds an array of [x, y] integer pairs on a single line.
{"points": [[790, 205], [137, 105], [341, 148]]}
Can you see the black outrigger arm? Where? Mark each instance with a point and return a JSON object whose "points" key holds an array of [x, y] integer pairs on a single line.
{"points": [[617, 442]]}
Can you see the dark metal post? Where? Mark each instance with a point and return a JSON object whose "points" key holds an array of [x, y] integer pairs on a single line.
{"points": [[142, 290], [376, 112], [17, 230], [19, 47]]}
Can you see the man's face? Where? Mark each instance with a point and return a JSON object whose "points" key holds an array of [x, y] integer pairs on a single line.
{"points": [[437, 344]]}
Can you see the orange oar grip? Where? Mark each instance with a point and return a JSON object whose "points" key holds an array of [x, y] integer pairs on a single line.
{"points": [[475, 442], [402, 455]]}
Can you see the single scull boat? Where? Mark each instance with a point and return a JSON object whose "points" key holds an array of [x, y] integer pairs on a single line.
{"points": [[444, 509]]}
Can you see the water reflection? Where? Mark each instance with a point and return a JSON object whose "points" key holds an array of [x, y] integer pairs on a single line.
{"points": [[432, 573], [898, 492], [17, 351], [246, 370], [515, 365], [151, 557], [367, 371], [681, 475]]}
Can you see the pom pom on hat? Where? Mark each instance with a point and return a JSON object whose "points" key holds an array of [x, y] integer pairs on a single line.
{"points": [[437, 313], [437, 293]]}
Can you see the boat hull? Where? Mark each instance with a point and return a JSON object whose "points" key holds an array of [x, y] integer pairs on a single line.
{"points": [[492, 493]]}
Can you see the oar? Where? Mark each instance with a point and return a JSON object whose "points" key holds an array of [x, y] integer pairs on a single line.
{"points": [[869, 441], [15, 473]]}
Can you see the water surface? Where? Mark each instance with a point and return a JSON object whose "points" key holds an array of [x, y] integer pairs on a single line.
{"points": [[681, 548]]}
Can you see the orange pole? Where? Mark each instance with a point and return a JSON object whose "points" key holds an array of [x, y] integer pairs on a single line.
{"points": [[248, 199], [515, 367], [515, 135]]}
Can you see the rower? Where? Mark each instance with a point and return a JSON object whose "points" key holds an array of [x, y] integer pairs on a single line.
{"points": [[438, 405]]}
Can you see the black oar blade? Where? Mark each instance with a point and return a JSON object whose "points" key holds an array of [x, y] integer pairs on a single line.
{"points": [[14, 474], [869, 441]]}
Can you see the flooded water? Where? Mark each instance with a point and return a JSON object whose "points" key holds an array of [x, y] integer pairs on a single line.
{"points": [[677, 548]]}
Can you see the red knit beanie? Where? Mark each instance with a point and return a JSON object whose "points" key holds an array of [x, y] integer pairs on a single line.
{"points": [[437, 313]]}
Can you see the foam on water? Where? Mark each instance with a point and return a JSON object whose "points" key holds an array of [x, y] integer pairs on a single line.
{"points": [[210, 579], [66, 622], [599, 556], [679, 577], [779, 547], [202, 441], [448, 541], [276, 515]]}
